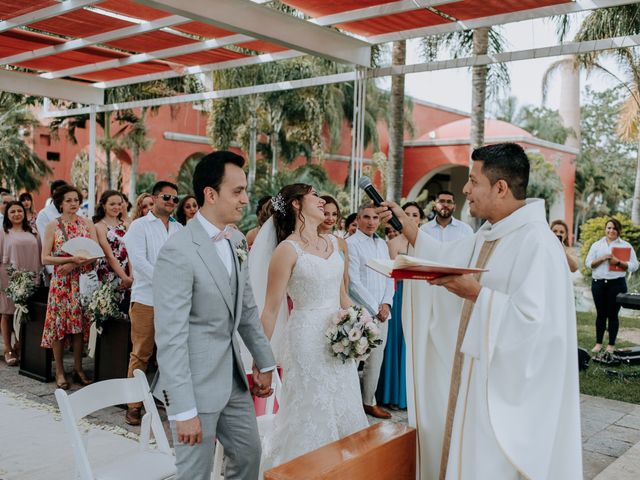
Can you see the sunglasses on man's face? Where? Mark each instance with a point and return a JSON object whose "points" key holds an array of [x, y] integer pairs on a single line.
{"points": [[166, 197]]}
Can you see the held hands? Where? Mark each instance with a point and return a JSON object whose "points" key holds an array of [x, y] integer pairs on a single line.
{"points": [[66, 268], [383, 312], [189, 431], [465, 286], [261, 383]]}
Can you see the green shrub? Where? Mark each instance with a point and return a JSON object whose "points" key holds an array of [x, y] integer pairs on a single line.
{"points": [[593, 230]]}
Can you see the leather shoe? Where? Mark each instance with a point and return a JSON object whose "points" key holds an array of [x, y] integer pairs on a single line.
{"points": [[133, 416], [376, 411]]}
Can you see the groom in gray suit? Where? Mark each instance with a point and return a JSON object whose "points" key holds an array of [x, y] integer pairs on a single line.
{"points": [[202, 296]]}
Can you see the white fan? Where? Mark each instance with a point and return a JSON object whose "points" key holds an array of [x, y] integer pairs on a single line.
{"points": [[83, 247]]}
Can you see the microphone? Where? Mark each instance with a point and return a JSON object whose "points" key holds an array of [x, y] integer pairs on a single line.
{"points": [[365, 184]]}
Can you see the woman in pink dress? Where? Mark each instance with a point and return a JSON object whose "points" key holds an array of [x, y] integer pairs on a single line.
{"points": [[20, 248], [64, 313]]}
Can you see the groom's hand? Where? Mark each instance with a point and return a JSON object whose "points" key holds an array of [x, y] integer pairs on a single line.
{"points": [[189, 431], [261, 383]]}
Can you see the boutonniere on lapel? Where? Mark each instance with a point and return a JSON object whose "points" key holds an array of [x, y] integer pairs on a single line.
{"points": [[242, 251]]}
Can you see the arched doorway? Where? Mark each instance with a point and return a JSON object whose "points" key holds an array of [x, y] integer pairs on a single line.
{"points": [[445, 177]]}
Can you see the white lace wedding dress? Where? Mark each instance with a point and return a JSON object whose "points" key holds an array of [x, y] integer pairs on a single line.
{"points": [[320, 400]]}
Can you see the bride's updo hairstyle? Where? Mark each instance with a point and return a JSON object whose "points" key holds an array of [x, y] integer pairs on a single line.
{"points": [[284, 213]]}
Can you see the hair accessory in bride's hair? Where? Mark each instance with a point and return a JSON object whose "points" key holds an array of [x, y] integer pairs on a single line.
{"points": [[278, 204]]}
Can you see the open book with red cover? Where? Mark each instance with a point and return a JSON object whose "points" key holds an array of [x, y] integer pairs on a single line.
{"points": [[621, 253], [412, 268]]}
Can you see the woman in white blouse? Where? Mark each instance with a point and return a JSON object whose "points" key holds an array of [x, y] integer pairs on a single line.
{"points": [[608, 273]]}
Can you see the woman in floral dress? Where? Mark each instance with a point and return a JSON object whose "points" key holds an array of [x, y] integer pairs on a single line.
{"points": [[64, 313], [110, 228]]}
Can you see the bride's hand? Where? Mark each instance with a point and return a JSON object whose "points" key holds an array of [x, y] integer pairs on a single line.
{"points": [[261, 383]]}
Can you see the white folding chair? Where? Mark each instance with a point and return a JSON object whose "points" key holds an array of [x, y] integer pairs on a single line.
{"points": [[142, 463], [265, 424]]}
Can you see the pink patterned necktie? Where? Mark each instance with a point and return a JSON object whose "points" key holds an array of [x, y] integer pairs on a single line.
{"points": [[223, 235]]}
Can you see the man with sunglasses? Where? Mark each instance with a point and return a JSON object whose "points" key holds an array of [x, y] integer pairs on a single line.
{"points": [[444, 227], [143, 240]]}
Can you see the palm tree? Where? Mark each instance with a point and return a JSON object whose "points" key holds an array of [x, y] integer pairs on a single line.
{"points": [[615, 22], [293, 120], [396, 126], [143, 91], [480, 41], [134, 137], [20, 166]]}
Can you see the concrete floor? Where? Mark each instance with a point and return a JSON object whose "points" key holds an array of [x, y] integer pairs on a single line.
{"points": [[610, 429]]}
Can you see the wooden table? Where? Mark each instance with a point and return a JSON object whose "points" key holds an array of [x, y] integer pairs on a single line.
{"points": [[384, 451]]}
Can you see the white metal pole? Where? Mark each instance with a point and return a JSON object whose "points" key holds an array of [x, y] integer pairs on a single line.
{"points": [[92, 159]]}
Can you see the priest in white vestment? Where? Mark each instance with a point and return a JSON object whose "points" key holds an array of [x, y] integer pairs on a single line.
{"points": [[508, 407]]}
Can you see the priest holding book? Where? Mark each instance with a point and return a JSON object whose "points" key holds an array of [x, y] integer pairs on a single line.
{"points": [[492, 368]]}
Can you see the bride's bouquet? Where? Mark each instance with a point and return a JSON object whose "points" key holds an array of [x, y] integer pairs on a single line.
{"points": [[354, 334]]}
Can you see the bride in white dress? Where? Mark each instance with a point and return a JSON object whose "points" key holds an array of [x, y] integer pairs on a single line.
{"points": [[320, 400]]}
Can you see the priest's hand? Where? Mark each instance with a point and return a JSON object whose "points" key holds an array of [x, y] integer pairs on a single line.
{"points": [[409, 227], [465, 286]]}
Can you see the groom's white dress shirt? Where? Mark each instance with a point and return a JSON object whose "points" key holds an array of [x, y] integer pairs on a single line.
{"points": [[223, 248]]}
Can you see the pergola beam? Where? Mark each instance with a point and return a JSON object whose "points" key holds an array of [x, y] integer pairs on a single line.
{"points": [[149, 56], [571, 48], [83, 42], [44, 13], [210, 67], [512, 17], [29, 84], [377, 11], [264, 23]]}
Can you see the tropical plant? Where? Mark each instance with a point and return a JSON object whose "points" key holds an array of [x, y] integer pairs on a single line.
{"points": [[544, 182], [542, 122], [480, 41], [615, 22], [21, 168], [142, 91], [603, 183], [145, 183], [134, 137], [396, 126]]}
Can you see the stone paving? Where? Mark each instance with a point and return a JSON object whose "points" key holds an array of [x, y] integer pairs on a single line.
{"points": [[610, 429]]}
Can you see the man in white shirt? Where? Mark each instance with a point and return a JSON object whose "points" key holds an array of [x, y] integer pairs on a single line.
{"points": [[444, 227], [46, 215], [5, 197], [143, 240], [374, 292]]}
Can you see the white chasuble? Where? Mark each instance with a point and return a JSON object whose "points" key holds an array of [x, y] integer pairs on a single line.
{"points": [[517, 410]]}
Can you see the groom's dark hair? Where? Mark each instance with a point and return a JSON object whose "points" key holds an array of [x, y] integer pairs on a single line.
{"points": [[210, 171]]}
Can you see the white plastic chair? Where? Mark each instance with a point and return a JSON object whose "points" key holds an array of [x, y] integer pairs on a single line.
{"points": [[265, 424], [142, 463]]}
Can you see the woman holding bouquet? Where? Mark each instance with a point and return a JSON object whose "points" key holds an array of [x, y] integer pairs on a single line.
{"points": [[64, 313], [20, 249], [320, 400], [110, 229]]}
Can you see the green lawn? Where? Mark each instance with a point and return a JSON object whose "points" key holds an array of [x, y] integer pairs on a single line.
{"points": [[595, 380]]}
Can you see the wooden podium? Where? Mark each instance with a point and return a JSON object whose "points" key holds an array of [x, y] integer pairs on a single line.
{"points": [[384, 451]]}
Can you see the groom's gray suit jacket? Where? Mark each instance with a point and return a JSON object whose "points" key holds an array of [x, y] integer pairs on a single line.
{"points": [[198, 307]]}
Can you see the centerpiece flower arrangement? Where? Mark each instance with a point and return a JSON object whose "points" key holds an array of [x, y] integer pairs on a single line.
{"points": [[353, 334], [21, 286], [104, 304]]}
